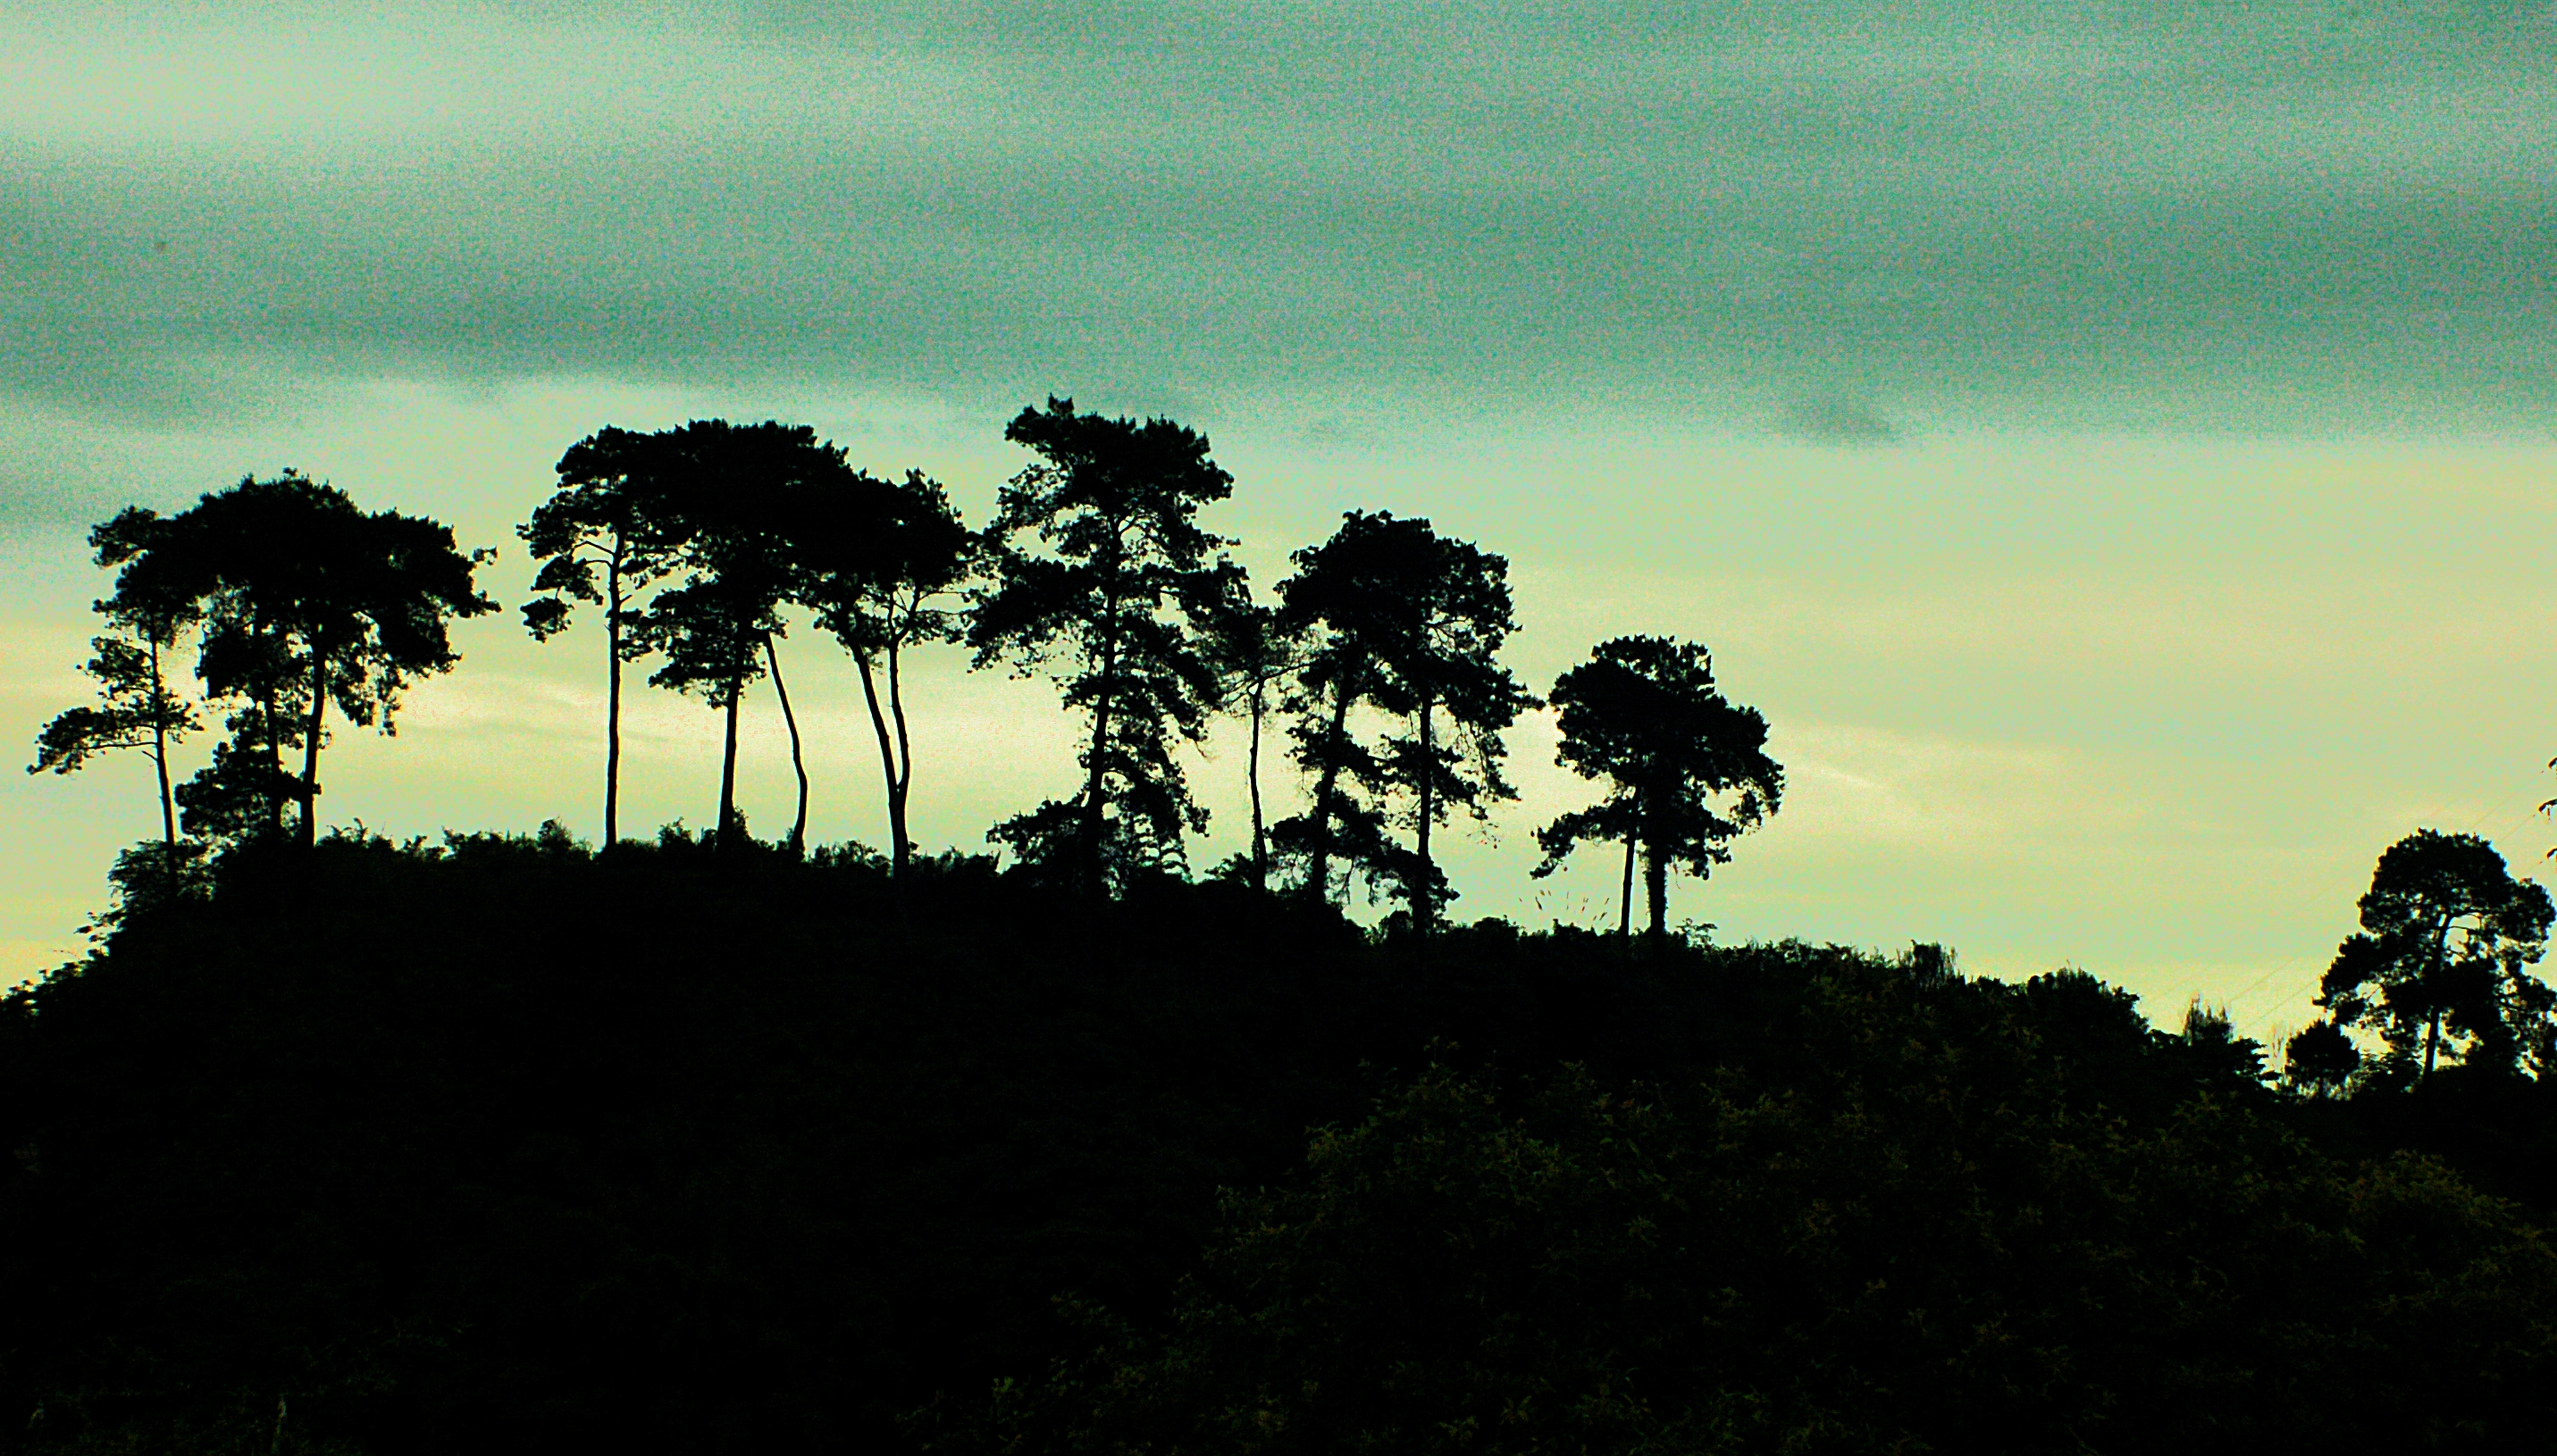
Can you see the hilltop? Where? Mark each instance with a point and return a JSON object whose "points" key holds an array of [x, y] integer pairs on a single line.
{"points": [[501, 1141]]}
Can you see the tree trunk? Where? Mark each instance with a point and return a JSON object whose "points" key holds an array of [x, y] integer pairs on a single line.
{"points": [[800, 826], [900, 838], [612, 699], [1656, 890], [1089, 852], [887, 765], [1625, 900], [274, 715], [721, 837], [1252, 775], [310, 745], [160, 759], [1424, 894], [1318, 865], [2441, 966]]}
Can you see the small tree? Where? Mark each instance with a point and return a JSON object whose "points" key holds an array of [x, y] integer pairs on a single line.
{"points": [[603, 520], [136, 708], [2441, 963], [1686, 769], [879, 561], [1113, 604]]}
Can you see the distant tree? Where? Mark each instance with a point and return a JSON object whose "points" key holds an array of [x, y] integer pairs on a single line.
{"points": [[2447, 939], [306, 601], [1112, 601], [1255, 650], [2210, 1040], [881, 562], [2320, 1059], [727, 493], [1686, 769], [604, 519], [136, 708]]}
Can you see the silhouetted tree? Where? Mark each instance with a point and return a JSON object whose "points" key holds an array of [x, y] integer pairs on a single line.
{"points": [[306, 601], [2320, 1059], [136, 709], [2447, 939], [726, 493], [1343, 603], [1445, 666], [1686, 769], [878, 561], [1407, 622], [1254, 650], [2212, 1042], [602, 520], [1113, 603]]}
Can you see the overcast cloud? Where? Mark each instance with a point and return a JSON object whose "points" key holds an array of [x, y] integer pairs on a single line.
{"points": [[1806, 217]]}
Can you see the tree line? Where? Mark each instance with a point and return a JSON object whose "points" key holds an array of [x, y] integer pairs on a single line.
{"points": [[1375, 660]]}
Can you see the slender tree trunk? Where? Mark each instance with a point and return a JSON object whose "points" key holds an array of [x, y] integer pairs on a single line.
{"points": [[1318, 865], [1656, 890], [887, 765], [1625, 900], [2441, 966], [900, 838], [612, 699], [799, 826], [1090, 850], [1252, 774], [727, 772], [310, 745], [160, 759], [274, 715], [1424, 894]]}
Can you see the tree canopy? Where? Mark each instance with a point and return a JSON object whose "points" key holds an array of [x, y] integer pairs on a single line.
{"points": [[721, 499], [1100, 575], [1686, 769], [880, 563], [305, 601], [607, 517], [2442, 963], [1405, 623]]}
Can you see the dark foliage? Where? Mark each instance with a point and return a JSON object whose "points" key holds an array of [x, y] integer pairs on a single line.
{"points": [[666, 1150]]}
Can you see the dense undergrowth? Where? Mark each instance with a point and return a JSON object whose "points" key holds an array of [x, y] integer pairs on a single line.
{"points": [[500, 1144]]}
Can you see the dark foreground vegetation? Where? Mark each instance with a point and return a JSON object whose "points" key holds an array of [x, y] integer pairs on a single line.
{"points": [[504, 1144]]}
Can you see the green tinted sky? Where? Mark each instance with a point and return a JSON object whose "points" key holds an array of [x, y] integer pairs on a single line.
{"points": [[2111, 442]]}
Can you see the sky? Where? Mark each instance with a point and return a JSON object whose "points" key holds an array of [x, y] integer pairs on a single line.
{"points": [[2112, 443]]}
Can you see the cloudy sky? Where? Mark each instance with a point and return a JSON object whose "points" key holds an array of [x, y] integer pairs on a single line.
{"points": [[2112, 442]]}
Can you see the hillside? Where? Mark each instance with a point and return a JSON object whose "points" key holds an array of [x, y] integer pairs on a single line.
{"points": [[504, 1143]]}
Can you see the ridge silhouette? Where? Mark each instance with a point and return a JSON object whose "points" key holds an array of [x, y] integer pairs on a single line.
{"points": [[704, 1144]]}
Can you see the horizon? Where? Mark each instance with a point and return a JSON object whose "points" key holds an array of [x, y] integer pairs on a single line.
{"points": [[2112, 451]]}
